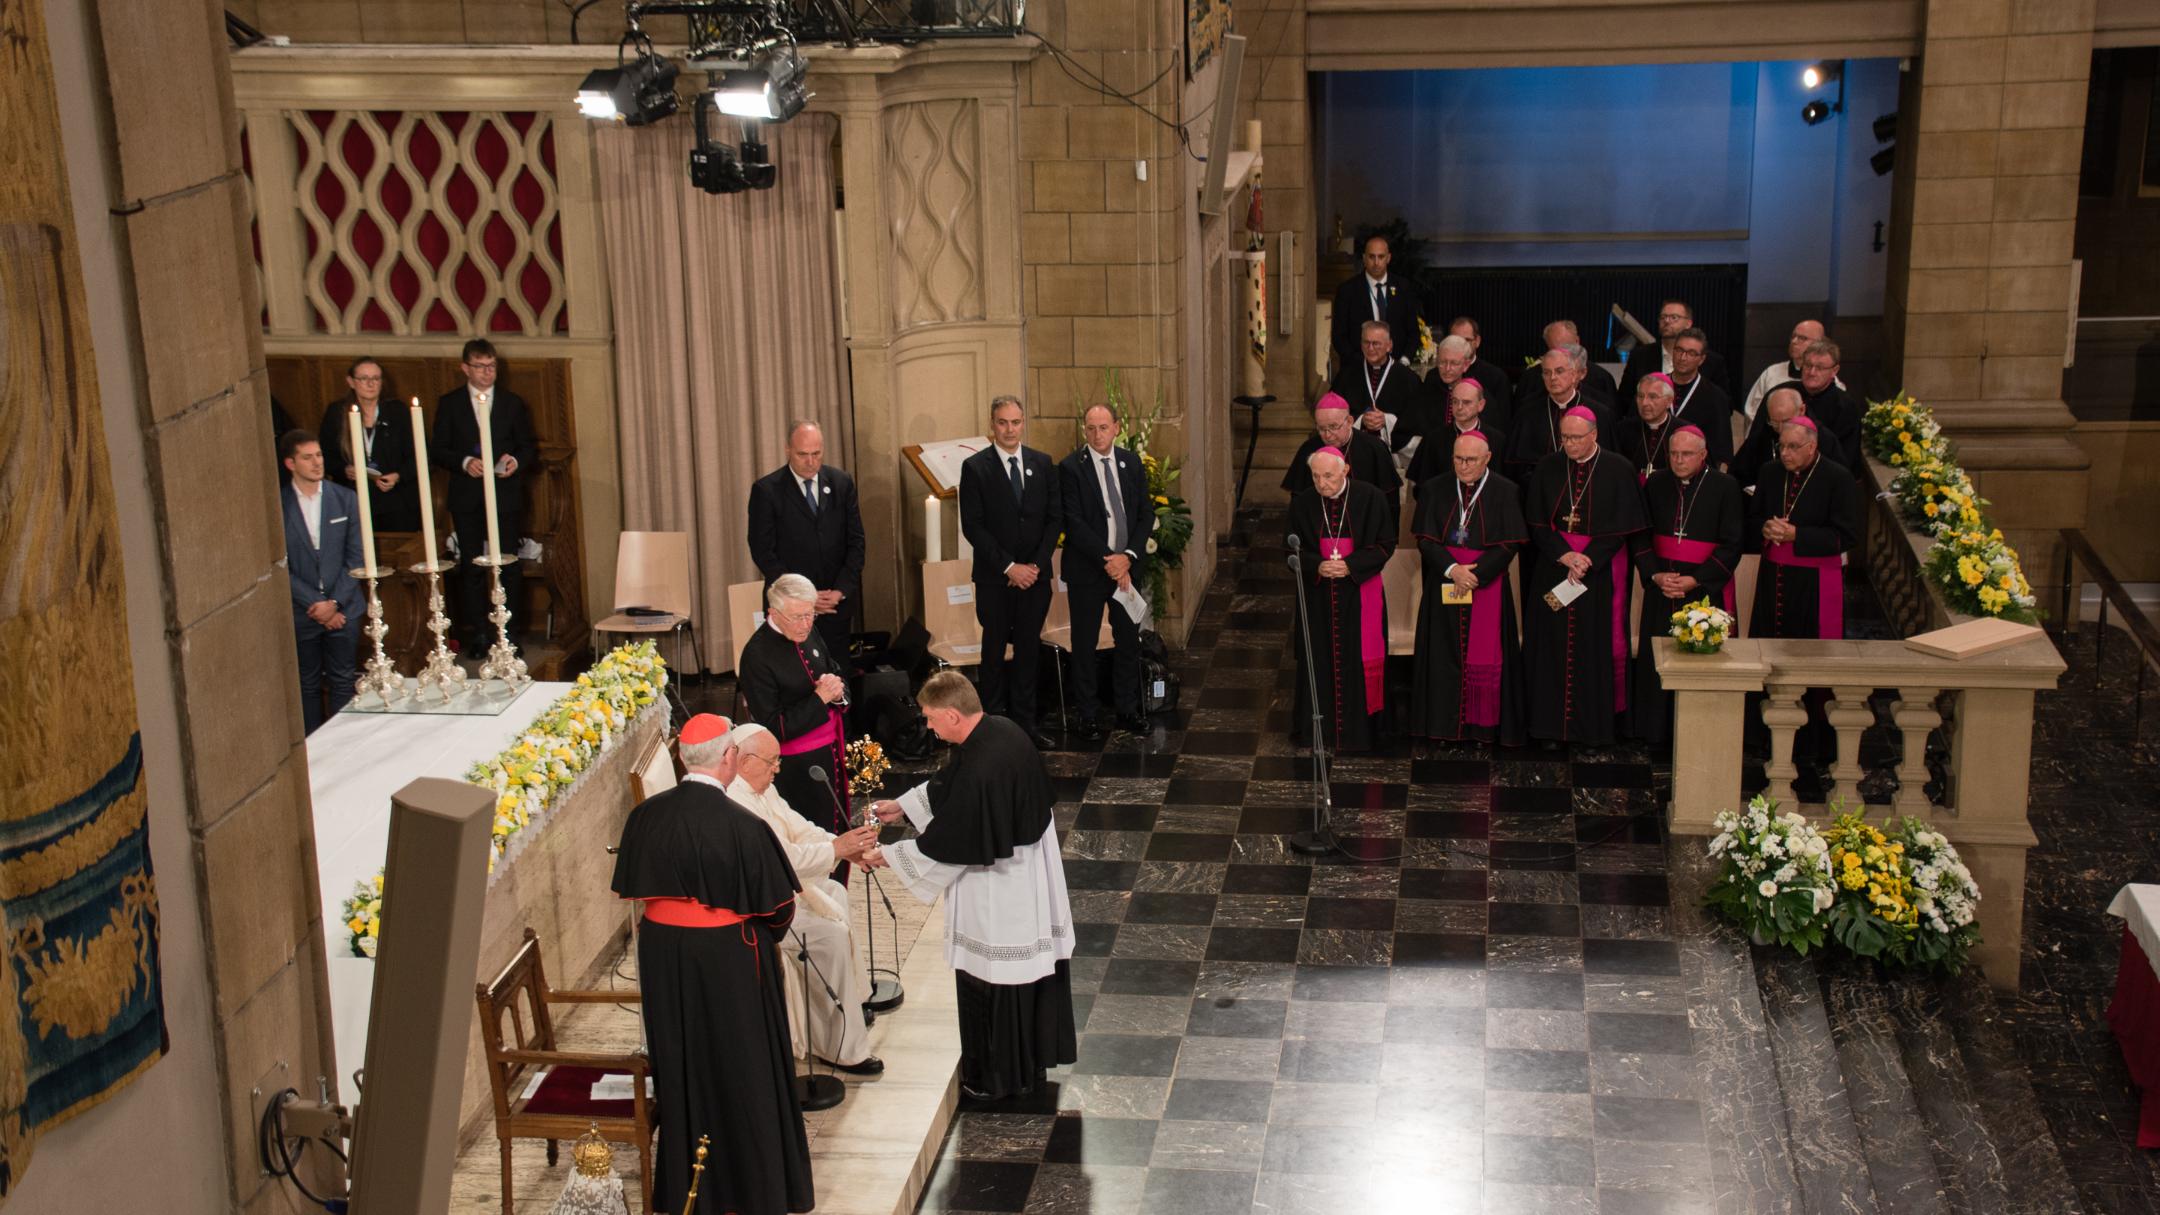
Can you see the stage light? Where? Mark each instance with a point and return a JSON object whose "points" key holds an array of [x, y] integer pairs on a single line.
{"points": [[1886, 127], [635, 93], [1816, 75], [758, 171], [769, 87], [1815, 111], [1882, 162]]}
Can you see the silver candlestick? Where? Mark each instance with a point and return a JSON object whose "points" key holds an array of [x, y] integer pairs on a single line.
{"points": [[442, 671], [502, 660], [380, 676]]}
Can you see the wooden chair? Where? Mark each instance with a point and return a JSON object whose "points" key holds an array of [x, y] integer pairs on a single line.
{"points": [[544, 1093], [654, 771], [652, 570], [1402, 581], [746, 615]]}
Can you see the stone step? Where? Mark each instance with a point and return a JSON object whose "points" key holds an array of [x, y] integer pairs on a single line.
{"points": [[1965, 1151], [2032, 1169], [1900, 1158], [1823, 1140]]}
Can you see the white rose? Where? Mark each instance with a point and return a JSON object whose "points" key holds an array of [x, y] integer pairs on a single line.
{"points": [[1822, 898], [1151, 544], [1767, 889]]}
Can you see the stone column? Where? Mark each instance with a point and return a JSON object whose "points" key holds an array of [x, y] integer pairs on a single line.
{"points": [[1979, 292], [1709, 704]]}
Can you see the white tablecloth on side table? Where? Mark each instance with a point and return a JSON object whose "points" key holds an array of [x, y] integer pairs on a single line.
{"points": [[2139, 909], [356, 761]]}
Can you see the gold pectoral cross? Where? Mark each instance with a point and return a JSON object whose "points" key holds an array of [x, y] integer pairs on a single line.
{"points": [[1572, 518]]}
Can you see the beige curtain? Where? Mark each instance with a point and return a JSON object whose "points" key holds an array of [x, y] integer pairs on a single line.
{"points": [[727, 325]]}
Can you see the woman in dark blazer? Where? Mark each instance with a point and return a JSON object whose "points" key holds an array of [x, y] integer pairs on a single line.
{"points": [[394, 491]]}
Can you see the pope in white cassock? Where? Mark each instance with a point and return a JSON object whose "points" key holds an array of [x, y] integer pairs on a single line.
{"points": [[987, 840], [827, 993]]}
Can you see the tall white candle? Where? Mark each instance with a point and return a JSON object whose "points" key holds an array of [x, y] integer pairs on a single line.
{"points": [[427, 490], [487, 475], [933, 529], [358, 452]]}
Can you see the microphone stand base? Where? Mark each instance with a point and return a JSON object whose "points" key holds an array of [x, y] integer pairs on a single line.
{"points": [[819, 1092], [885, 996], [1313, 843]]}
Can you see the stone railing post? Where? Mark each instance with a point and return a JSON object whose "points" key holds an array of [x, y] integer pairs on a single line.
{"points": [[1709, 707], [1784, 711], [1916, 717], [1849, 715], [1990, 777]]}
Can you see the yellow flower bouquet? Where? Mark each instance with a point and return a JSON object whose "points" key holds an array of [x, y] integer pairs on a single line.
{"points": [[1701, 627], [1903, 896], [362, 914]]}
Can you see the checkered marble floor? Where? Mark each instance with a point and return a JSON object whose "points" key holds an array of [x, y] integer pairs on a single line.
{"points": [[1478, 1006]]}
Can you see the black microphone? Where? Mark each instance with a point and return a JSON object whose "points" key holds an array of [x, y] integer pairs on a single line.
{"points": [[817, 773], [1290, 541]]}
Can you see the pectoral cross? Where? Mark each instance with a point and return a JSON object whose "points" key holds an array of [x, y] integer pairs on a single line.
{"points": [[1572, 518], [1680, 532]]}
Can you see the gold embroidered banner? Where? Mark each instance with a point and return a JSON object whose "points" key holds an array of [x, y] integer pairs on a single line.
{"points": [[81, 1009]]}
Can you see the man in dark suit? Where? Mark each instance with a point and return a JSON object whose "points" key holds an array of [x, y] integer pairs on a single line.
{"points": [[456, 450], [1674, 318], [1109, 517], [1499, 389], [322, 548], [1374, 296], [804, 520], [1011, 512]]}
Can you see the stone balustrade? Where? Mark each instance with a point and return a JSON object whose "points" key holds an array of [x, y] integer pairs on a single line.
{"points": [[1980, 709]]}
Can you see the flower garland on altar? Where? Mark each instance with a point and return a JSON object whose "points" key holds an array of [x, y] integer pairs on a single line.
{"points": [[1897, 894], [1978, 573], [551, 753]]}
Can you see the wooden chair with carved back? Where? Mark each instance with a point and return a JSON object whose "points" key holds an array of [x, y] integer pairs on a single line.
{"points": [[542, 1092]]}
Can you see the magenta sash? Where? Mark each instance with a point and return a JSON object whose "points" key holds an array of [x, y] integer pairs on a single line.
{"points": [[1481, 666], [1372, 624], [1694, 552], [1829, 587], [1619, 618], [824, 736]]}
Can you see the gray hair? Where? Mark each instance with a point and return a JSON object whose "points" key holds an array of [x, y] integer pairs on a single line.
{"points": [[1004, 399], [1657, 387], [799, 425], [1369, 326], [1452, 344], [789, 588], [1823, 346], [1565, 326], [1576, 355]]}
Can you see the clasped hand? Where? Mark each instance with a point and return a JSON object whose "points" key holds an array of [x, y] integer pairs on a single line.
{"points": [[1675, 586], [1578, 566], [1023, 576], [1334, 567], [830, 688], [1464, 578], [1779, 530]]}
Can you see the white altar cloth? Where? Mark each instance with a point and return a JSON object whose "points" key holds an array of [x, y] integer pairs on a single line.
{"points": [[355, 762], [2138, 906]]}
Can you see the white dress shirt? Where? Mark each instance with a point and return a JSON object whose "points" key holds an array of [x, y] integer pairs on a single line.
{"points": [[311, 512]]}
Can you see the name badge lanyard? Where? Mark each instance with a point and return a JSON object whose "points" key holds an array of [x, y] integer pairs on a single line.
{"points": [[1461, 537]]}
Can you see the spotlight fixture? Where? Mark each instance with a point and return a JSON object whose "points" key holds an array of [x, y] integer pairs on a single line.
{"points": [[1886, 127], [769, 86], [1816, 75], [1815, 111], [758, 170], [1884, 161], [635, 93], [717, 168]]}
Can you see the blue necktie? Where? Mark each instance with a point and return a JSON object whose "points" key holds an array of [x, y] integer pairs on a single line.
{"points": [[809, 493], [1019, 490]]}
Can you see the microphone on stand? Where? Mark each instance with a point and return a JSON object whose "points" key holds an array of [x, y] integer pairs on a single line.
{"points": [[813, 1091], [1320, 837], [885, 993]]}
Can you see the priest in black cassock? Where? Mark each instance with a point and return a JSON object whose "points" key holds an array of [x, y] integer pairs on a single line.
{"points": [[1644, 435], [717, 897], [1688, 551], [792, 686], [1468, 683], [1466, 407], [1782, 407], [1807, 512], [1346, 533], [1383, 394], [1498, 388], [1535, 431], [987, 840], [1370, 459], [1596, 382], [1582, 506]]}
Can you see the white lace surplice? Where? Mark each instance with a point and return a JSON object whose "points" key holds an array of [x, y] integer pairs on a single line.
{"points": [[1007, 923]]}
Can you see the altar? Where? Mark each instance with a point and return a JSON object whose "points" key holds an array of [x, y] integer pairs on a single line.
{"points": [[554, 877]]}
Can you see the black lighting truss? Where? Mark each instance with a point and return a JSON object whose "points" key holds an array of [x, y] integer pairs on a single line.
{"points": [[716, 25]]}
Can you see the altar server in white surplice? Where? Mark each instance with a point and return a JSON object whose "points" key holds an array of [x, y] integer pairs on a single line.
{"points": [[987, 840], [831, 982]]}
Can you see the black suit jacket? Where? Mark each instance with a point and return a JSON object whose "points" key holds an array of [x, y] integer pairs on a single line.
{"points": [[398, 510], [1087, 523], [1647, 360], [785, 538], [1001, 535], [1401, 394], [1760, 450], [457, 438], [1353, 307]]}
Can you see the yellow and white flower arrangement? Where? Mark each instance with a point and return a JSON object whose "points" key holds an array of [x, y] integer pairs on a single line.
{"points": [[1701, 627], [1977, 572], [866, 767], [1777, 880], [363, 916], [1903, 895]]}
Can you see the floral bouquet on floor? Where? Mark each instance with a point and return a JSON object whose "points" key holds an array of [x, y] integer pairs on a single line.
{"points": [[1776, 881], [363, 916], [1903, 895], [1701, 627]]}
